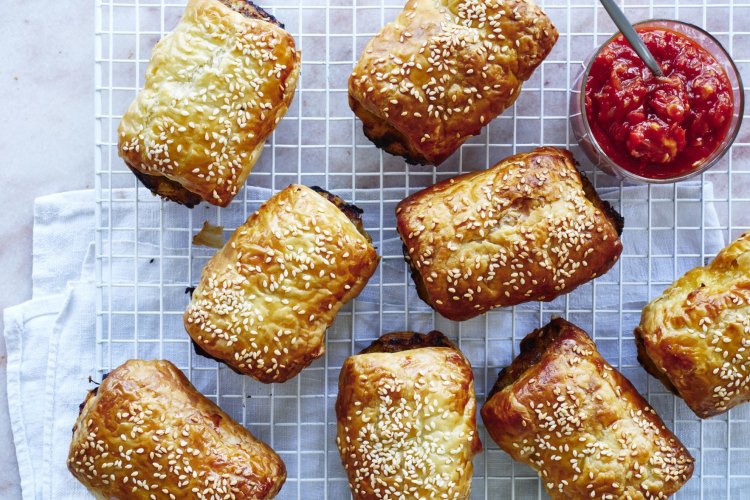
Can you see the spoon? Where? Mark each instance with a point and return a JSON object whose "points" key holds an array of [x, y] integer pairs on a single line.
{"points": [[632, 36]]}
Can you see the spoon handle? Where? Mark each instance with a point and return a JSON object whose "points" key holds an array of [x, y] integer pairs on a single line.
{"points": [[631, 36]]}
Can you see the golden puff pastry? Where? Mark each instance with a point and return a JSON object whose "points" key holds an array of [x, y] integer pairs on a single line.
{"points": [[695, 336], [529, 228], [264, 301], [215, 88], [147, 433], [406, 419], [563, 410], [443, 70]]}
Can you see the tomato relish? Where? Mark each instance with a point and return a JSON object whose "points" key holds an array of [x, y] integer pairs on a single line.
{"points": [[658, 127]]}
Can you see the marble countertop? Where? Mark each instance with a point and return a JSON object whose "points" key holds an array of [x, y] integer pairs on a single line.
{"points": [[46, 136]]}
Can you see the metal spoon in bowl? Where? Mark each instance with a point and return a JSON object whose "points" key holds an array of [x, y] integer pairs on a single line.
{"points": [[632, 36]]}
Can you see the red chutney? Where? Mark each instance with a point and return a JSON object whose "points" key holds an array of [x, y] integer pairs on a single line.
{"points": [[658, 127]]}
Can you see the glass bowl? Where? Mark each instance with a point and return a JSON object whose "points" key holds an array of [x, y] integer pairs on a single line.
{"points": [[587, 141]]}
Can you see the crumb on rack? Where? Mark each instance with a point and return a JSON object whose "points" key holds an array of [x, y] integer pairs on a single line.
{"points": [[209, 236]]}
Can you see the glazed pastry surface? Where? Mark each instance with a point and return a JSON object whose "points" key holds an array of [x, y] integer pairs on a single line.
{"points": [[265, 300], [406, 419], [443, 70], [694, 337], [215, 88], [147, 433], [563, 410], [529, 228]]}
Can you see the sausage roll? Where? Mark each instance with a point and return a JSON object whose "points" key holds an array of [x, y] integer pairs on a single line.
{"points": [[563, 410], [215, 88], [264, 301], [529, 228], [406, 419], [147, 433], [694, 337], [443, 70]]}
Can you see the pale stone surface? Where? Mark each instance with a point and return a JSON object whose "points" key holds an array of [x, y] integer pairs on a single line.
{"points": [[47, 143]]}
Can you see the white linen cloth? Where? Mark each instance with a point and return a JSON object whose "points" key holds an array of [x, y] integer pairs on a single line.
{"points": [[51, 339]]}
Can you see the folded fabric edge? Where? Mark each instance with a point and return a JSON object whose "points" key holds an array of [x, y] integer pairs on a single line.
{"points": [[87, 279], [14, 319]]}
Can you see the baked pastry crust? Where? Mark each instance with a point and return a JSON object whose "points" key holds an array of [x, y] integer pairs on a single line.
{"points": [[146, 432], [406, 419], [264, 301], [694, 337], [215, 88], [563, 410], [529, 228], [443, 70]]}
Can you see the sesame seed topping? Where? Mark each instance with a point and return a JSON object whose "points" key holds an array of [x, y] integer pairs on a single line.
{"points": [[144, 434], [703, 318], [264, 301], [579, 425], [204, 135], [394, 443], [450, 66], [524, 229]]}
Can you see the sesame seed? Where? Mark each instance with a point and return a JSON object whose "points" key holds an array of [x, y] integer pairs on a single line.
{"points": [[245, 98], [711, 316], [259, 270], [547, 254], [392, 440], [561, 440]]}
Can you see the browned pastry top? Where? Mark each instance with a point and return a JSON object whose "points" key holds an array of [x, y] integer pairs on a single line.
{"points": [[406, 419], [562, 409], [264, 301], [443, 70], [215, 88], [695, 336], [147, 433], [528, 228]]}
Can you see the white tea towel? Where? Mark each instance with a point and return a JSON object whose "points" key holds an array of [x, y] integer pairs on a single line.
{"points": [[71, 361], [63, 230], [61, 221], [27, 336]]}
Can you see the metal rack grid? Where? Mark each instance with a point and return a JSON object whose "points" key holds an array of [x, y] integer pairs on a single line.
{"points": [[145, 259]]}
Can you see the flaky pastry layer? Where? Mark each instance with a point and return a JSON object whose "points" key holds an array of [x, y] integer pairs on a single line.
{"points": [[529, 228], [147, 433], [406, 419], [264, 301], [215, 88], [694, 337], [563, 410], [443, 70]]}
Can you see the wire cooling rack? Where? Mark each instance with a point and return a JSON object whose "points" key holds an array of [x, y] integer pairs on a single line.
{"points": [[145, 260]]}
